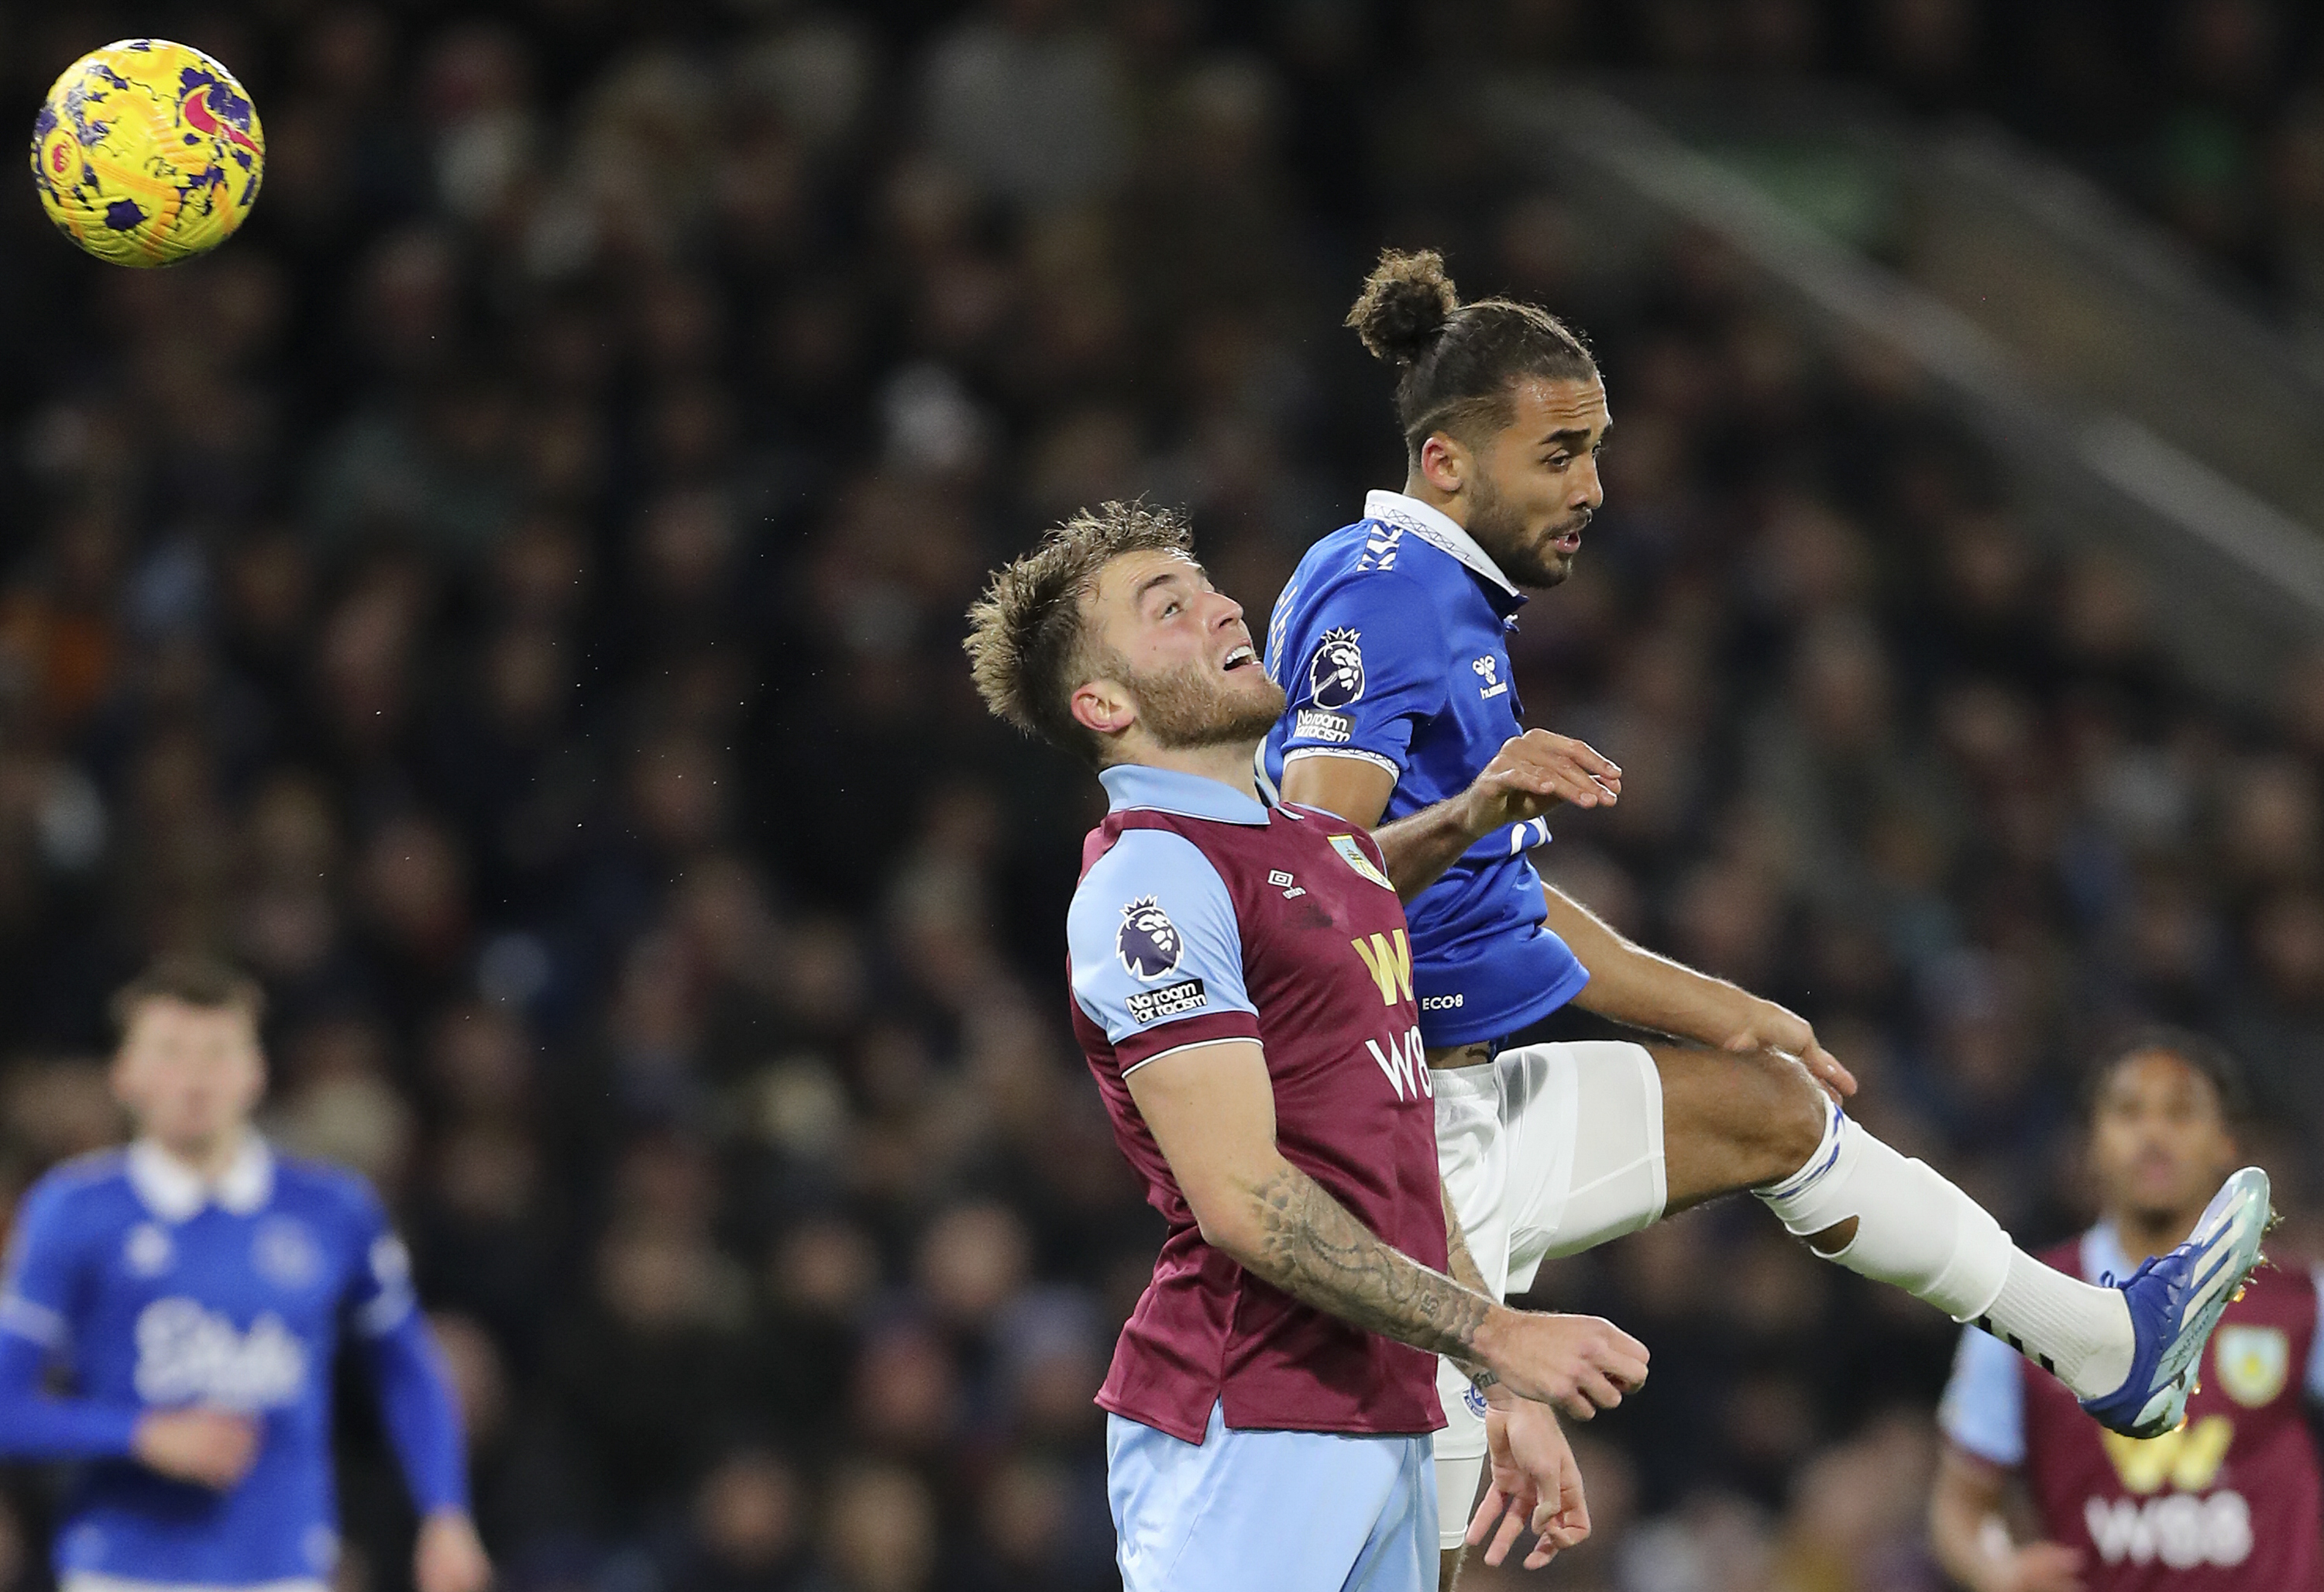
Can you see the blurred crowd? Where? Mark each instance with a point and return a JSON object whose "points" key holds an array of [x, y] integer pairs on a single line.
{"points": [[509, 598]]}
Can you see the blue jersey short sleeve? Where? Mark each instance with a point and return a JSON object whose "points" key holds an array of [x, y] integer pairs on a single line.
{"points": [[1984, 1407], [1369, 669], [1154, 938]]}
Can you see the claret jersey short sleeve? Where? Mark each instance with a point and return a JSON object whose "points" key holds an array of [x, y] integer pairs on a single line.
{"points": [[1154, 942]]}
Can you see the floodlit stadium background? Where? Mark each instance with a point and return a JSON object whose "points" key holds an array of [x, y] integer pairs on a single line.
{"points": [[510, 597]]}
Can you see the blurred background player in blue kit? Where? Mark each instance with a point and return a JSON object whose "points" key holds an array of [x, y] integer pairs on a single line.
{"points": [[194, 1288]]}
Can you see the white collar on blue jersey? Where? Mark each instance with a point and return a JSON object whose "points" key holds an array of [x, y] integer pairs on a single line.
{"points": [[176, 1192], [1437, 529], [1172, 790]]}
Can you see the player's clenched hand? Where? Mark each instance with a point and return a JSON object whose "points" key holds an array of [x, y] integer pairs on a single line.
{"points": [[209, 1447], [1533, 772], [1776, 1027], [2037, 1567], [1533, 1480], [1579, 1364], [448, 1557]]}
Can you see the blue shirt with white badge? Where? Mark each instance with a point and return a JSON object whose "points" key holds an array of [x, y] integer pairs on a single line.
{"points": [[149, 1289], [1390, 645]]}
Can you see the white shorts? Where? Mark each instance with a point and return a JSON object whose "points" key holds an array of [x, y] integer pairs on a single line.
{"points": [[1546, 1150]]}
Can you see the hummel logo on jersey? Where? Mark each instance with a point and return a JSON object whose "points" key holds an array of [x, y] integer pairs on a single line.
{"points": [[1335, 675], [1488, 668], [1148, 942], [1379, 547], [187, 1354], [147, 1251]]}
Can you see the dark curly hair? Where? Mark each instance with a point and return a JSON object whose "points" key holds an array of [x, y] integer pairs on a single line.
{"points": [[1455, 361]]}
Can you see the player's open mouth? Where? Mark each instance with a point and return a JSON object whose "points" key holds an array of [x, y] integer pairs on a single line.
{"points": [[1239, 657]]}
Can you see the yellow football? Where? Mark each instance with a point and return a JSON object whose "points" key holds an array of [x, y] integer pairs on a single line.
{"points": [[147, 151]]}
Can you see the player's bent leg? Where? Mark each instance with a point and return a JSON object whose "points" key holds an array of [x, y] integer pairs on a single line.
{"points": [[1257, 1511], [1735, 1121]]}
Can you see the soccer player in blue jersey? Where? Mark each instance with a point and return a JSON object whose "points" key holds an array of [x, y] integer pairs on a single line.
{"points": [[192, 1291], [1388, 642]]}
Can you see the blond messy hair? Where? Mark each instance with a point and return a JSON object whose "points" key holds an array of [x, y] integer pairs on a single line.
{"points": [[1028, 646]]}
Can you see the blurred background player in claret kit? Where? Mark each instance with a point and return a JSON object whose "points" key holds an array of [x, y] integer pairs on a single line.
{"points": [[2230, 1500], [193, 1290]]}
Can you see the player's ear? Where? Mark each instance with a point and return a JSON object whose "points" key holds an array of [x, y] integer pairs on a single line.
{"points": [[1446, 463], [1104, 705]]}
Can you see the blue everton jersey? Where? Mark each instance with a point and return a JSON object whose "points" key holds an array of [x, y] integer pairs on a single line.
{"points": [[1390, 645], [153, 1290]]}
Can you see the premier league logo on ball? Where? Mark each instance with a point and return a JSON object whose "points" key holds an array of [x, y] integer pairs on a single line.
{"points": [[1148, 942], [1335, 675]]}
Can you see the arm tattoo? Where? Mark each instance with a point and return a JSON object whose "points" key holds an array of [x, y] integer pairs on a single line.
{"points": [[1312, 1249], [1465, 1271]]}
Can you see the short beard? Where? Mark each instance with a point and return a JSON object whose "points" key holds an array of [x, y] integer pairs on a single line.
{"points": [[1500, 530], [1183, 710]]}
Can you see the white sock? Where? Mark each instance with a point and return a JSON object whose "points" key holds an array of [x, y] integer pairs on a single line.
{"points": [[1918, 1231]]}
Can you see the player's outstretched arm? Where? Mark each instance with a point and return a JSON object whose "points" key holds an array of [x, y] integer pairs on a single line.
{"points": [[1633, 985], [1531, 774], [1973, 1546], [1211, 1111]]}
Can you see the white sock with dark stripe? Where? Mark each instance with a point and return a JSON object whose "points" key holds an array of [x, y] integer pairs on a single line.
{"points": [[1921, 1233], [2076, 1329]]}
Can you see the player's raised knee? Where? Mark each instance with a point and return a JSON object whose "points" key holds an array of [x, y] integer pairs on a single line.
{"points": [[1787, 1124]]}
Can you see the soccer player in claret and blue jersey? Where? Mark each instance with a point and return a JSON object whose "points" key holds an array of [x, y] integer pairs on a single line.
{"points": [[1241, 986], [2227, 1503], [1390, 642], [192, 1291]]}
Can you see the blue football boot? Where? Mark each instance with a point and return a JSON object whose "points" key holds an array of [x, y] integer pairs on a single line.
{"points": [[2175, 1300]]}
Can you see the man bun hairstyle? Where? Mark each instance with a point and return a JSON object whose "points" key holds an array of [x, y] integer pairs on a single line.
{"points": [[1455, 363], [1028, 645], [2208, 1058], [203, 981]]}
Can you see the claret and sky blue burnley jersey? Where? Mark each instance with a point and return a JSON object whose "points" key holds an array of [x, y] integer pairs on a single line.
{"points": [[1389, 643], [147, 1288], [1203, 915], [2228, 1502]]}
